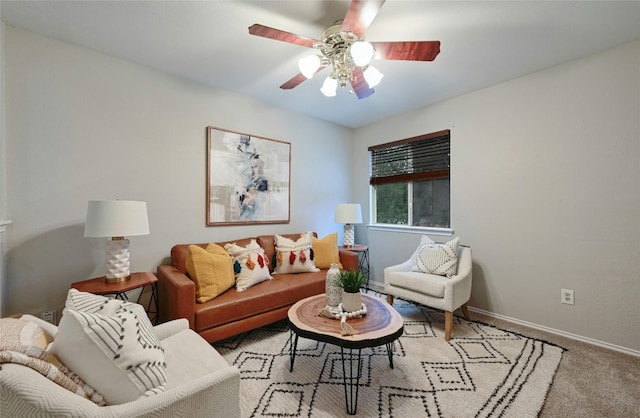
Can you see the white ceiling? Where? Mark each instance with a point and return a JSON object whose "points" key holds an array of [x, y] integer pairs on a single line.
{"points": [[483, 43]]}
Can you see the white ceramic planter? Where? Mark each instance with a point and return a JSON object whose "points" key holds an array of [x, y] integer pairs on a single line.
{"points": [[351, 301]]}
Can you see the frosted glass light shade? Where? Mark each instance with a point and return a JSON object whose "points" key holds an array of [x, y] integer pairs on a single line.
{"points": [[372, 76], [329, 87], [361, 52], [309, 65]]}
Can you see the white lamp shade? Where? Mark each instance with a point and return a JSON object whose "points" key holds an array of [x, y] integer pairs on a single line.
{"points": [[329, 87], [309, 65], [116, 218], [372, 76], [361, 52], [348, 213]]}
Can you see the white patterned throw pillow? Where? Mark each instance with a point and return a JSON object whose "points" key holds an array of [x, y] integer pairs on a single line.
{"points": [[112, 346], [434, 258], [294, 256], [250, 264]]}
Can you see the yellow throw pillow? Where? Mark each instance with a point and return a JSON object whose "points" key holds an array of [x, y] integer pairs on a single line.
{"points": [[211, 270], [326, 251]]}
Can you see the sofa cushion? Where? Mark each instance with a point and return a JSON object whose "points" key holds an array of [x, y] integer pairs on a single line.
{"points": [[440, 259], [250, 263], [211, 270], [294, 256], [428, 284], [283, 291], [115, 351], [325, 251]]}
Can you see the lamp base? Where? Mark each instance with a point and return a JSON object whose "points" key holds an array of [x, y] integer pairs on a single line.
{"points": [[118, 261], [112, 280], [349, 235]]}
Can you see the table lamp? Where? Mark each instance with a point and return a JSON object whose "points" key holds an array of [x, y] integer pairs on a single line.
{"points": [[348, 214], [116, 219]]}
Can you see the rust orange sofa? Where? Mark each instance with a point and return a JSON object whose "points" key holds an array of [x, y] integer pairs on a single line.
{"points": [[234, 312]]}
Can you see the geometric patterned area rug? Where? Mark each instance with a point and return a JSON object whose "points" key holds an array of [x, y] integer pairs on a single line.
{"points": [[483, 371]]}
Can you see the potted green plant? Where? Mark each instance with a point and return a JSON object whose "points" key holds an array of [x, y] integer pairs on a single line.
{"points": [[351, 281]]}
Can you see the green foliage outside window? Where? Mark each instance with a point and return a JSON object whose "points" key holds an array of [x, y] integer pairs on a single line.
{"points": [[392, 204]]}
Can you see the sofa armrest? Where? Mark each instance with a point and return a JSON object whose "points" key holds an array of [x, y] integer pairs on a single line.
{"points": [[349, 260], [216, 394], [170, 328], [177, 295], [50, 328]]}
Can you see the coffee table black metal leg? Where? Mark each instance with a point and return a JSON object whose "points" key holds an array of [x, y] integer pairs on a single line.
{"points": [[351, 385], [390, 353], [293, 346]]}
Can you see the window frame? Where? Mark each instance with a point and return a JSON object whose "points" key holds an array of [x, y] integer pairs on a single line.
{"points": [[408, 178]]}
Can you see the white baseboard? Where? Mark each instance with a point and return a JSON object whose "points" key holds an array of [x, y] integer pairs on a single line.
{"points": [[559, 332], [380, 288]]}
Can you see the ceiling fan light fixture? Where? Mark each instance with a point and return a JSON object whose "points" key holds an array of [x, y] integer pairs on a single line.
{"points": [[329, 87], [372, 76], [309, 65], [361, 52]]}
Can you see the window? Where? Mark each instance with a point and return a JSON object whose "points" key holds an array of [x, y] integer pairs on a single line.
{"points": [[410, 181]]}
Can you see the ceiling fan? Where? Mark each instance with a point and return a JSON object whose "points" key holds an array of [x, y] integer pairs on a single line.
{"points": [[342, 47]]}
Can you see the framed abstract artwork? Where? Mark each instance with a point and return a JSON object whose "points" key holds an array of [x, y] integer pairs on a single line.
{"points": [[247, 179]]}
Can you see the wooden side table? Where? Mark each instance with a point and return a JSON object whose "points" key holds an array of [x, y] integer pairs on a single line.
{"points": [[99, 286], [363, 259]]}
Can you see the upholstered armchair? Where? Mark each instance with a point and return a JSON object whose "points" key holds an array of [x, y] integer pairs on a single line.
{"points": [[200, 383], [433, 290]]}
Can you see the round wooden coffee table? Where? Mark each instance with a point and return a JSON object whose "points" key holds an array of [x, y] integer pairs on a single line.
{"points": [[381, 325]]}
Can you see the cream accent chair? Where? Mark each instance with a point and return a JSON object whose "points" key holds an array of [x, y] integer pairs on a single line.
{"points": [[200, 383], [439, 292]]}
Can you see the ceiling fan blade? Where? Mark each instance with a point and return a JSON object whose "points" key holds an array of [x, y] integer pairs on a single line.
{"points": [[359, 84], [293, 82], [409, 51], [280, 35], [360, 15], [298, 79]]}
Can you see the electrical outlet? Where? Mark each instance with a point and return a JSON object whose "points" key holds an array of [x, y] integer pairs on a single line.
{"points": [[566, 296], [49, 316]]}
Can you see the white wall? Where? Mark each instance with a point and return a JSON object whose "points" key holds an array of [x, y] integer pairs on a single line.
{"points": [[545, 188], [3, 183], [84, 126], [545, 172]]}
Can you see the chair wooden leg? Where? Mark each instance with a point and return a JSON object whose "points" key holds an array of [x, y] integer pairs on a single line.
{"points": [[448, 324], [390, 299], [465, 312]]}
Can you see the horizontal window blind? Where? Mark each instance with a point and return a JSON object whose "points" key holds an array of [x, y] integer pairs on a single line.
{"points": [[424, 157]]}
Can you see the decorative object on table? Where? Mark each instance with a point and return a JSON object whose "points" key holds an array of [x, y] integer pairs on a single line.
{"points": [[351, 281], [338, 312], [332, 288], [247, 179], [348, 214], [116, 219]]}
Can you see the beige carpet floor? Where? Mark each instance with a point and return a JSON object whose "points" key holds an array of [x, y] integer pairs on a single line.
{"points": [[591, 381], [484, 372]]}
